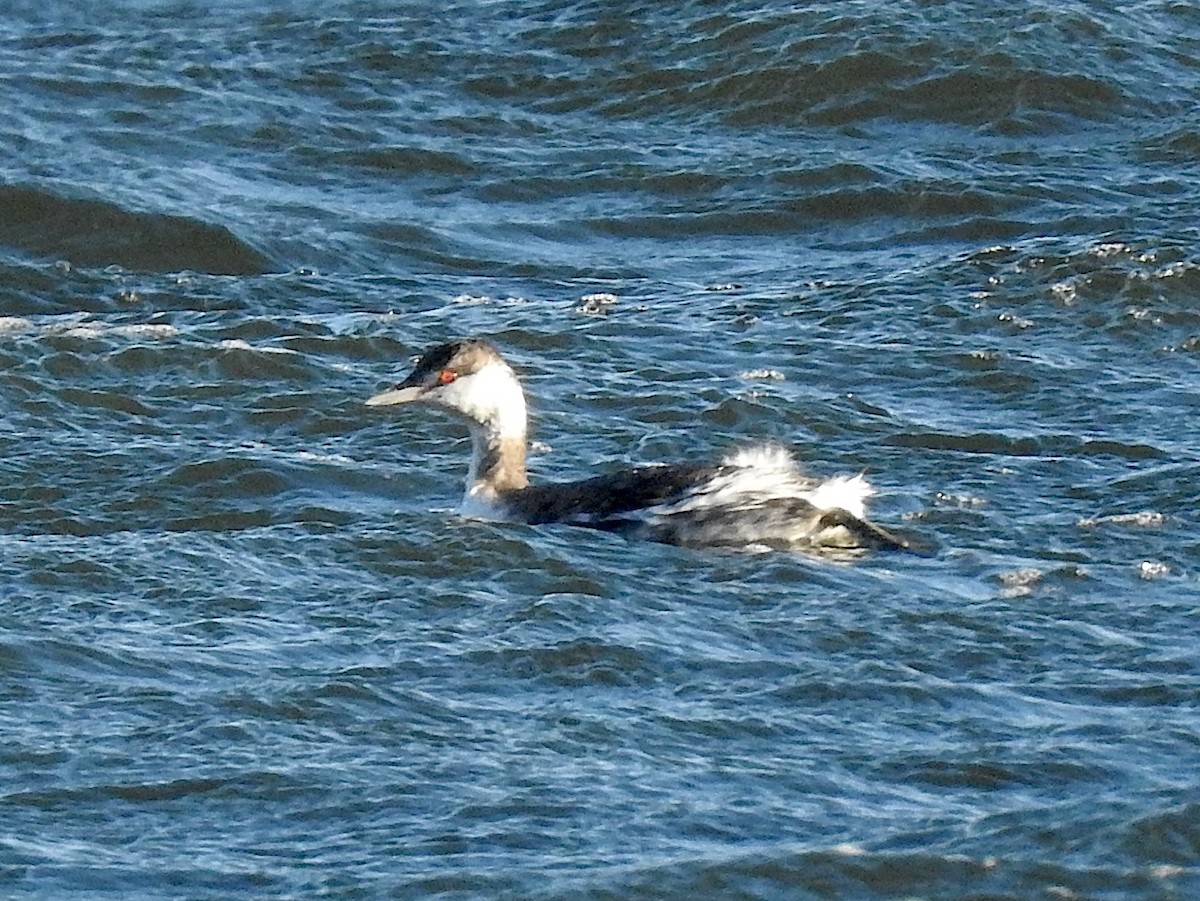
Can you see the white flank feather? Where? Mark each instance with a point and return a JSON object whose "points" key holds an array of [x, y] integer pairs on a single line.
{"points": [[847, 493], [756, 475]]}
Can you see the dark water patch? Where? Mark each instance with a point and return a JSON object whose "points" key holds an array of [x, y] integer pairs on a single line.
{"points": [[576, 662], [232, 477], [1169, 837], [1168, 485], [917, 200], [1025, 446], [520, 187], [864, 87], [788, 67], [71, 660], [99, 233], [262, 784], [113, 89], [58, 39], [1005, 97], [1181, 145], [990, 372], [422, 243], [414, 162], [1004, 229], [982, 775], [239, 360], [703, 726], [854, 218], [853, 872], [24, 289], [835, 692], [108, 878], [106, 400], [66, 573], [1150, 694]]}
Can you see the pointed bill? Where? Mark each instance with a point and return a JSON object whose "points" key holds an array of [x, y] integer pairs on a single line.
{"points": [[392, 396]]}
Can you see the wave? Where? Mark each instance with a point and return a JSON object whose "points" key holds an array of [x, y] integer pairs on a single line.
{"points": [[850, 871], [994, 443], [1012, 72], [1181, 145], [862, 87], [99, 233]]}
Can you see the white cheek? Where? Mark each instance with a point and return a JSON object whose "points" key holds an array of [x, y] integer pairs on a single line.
{"points": [[473, 398], [491, 397], [456, 396]]}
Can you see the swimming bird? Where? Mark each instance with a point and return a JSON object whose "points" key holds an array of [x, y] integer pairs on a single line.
{"points": [[754, 497]]}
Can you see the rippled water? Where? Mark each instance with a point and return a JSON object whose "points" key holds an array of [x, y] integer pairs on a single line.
{"points": [[248, 648]]}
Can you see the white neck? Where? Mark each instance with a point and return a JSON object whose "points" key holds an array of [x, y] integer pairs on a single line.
{"points": [[493, 404]]}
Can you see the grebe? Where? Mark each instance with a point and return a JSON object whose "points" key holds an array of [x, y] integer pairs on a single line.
{"points": [[754, 497]]}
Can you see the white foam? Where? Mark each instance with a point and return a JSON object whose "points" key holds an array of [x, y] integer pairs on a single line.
{"points": [[1153, 569], [240, 344], [145, 330], [10, 324], [1143, 519], [762, 375], [89, 329]]}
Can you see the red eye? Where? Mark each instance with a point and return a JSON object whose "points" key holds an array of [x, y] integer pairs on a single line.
{"points": [[446, 376]]}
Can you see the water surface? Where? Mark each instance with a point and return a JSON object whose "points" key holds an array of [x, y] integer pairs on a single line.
{"points": [[249, 649]]}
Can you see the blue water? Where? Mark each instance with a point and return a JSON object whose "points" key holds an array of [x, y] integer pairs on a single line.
{"points": [[249, 649]]}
